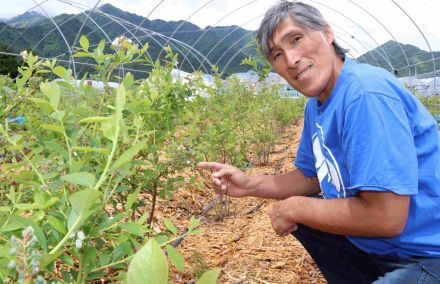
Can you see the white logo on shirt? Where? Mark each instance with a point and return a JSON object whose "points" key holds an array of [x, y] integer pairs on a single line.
{"points": [[327, 170]]}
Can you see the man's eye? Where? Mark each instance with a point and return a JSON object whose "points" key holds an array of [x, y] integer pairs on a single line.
{"points": [[276, 56], [296, 39]]}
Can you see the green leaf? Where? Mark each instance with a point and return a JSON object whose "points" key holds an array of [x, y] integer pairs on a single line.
{"points": [[5, 209], [51, 175], [82, 201], [133, 228], [136, 245], [73, 216], [149, 265], [82, 178], [101, 45], [143, 219], [67, 260], [57, 224], [16, 139], [50, 202], [57, 148], [53, 127], [90, 257], [43, 104], [209, 277], [193, 222], [170, 226], [94, 119], [48, 258], [52, 92], [84, 42], [120, 100], [77, 165], [104, 258], [10, 227], [82, 54], [68, 83], [108, 128], [122, 250], [128, 80], [58, 115], [195, 232], [23, 79], [132, 199], [127, 156], [91, 150], [24, 222], [176, 258], [12, 195], [27, 206], [162, 239], [60, 71]]}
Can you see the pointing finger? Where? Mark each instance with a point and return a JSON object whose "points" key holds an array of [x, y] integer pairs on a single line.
{"points": [[210, 166]]}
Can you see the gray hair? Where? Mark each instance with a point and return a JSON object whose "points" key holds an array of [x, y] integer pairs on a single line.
{"points": [[303, 14]]}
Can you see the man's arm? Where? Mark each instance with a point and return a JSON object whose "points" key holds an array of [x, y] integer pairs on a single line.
{"points": [[233, 182], [368, 214], [285, 185]]}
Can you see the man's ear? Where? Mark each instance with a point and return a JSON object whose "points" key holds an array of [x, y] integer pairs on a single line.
{"points": [[329, 36]]}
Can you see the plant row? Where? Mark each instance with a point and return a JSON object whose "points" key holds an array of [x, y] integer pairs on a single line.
{"points": [[74, 170]]}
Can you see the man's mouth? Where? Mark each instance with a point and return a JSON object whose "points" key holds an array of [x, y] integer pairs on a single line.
{"points": [[303, 72]]}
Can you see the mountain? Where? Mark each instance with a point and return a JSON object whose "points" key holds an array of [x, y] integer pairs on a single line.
{"points": [[197, 48], [26, 19], [393, 55], [221, 46]]}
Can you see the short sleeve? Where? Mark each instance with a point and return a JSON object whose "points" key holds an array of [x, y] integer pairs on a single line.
{"points": [[304, 156], [378, 144]]}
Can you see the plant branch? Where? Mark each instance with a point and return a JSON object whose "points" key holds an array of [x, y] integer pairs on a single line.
{"points": [[67, 236]]}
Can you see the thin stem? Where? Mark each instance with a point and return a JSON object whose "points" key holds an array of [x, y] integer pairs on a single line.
{"points": [[69, 149], [137, 135], [111, 226], [101, 103], [175, 239], [30, 163], [114, 263], [108, 195], [110, 157], [153, 205], [36, 171], [67, 236], [80, 268], [110, 72], [107, 188]]}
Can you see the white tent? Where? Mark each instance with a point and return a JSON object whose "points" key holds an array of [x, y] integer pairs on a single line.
{"points": [[250, 76], [415, 85], [433, 88]]}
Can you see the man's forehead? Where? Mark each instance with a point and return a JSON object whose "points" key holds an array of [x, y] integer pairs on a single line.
{"points": [[285, 30]]}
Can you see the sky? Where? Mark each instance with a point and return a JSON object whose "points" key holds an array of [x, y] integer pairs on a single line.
{"points": [[358, 24]]}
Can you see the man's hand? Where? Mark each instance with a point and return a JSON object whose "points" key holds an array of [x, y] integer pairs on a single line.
{"points": [[228, 179], [368, 214], [280, 218]]}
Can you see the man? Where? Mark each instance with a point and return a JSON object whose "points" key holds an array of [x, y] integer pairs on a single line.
{"points": [[368, 146]]}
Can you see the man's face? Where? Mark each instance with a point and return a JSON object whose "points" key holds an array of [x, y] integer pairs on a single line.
{"points": [[305, 58]]}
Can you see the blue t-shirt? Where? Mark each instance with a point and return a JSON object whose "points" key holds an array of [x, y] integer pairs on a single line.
{"points": [[373, 134]]}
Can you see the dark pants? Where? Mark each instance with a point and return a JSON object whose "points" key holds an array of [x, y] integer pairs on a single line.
{"points": [[341, 262]]}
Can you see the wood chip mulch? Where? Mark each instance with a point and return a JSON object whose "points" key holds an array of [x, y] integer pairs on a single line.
{"points": [[242, 243]]}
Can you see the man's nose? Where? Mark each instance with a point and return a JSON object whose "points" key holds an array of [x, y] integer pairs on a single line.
{"points": [[292, 58]]}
